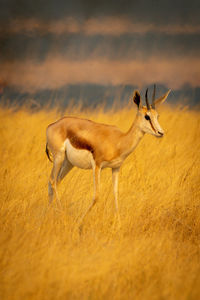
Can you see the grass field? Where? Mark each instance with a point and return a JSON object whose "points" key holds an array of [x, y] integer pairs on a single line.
{"points": [[155, 254]]}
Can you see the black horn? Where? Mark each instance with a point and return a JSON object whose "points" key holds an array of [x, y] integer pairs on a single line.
{"points": [[147, 101], [153, 96]]}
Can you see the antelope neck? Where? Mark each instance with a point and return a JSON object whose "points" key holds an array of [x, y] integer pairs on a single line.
{"points": [[133, 136]]}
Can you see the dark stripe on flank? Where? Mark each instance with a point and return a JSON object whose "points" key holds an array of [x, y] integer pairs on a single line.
{"points": [[79, 143]]}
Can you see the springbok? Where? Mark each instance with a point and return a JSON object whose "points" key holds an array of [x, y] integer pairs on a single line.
{"points": [[89, 145]]}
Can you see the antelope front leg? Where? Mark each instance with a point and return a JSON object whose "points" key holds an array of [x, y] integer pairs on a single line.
{"points": [[115, 175], [96, 176]]}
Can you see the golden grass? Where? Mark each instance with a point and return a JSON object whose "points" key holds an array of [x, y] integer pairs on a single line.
{"points": [[155, 254]]}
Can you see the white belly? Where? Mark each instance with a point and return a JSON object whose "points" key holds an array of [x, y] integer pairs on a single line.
{"points": [[80, 158]]}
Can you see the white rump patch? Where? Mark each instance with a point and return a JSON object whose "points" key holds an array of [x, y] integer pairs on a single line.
{"points": [[80, 158]]}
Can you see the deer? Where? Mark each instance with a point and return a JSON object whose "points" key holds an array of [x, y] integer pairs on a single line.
{"points": [[73, 141]]}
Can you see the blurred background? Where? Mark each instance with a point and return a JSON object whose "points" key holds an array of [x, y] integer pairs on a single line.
{"points": [[98, 51]]}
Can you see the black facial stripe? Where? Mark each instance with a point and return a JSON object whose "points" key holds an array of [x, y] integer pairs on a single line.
{"points": [[152, 125], [149, 119]]}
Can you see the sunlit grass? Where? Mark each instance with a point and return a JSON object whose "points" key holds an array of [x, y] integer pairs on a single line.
{"points": [[155, 254]]}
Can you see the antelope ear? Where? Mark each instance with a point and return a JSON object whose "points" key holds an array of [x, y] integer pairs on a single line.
{"points": [[161, 99], [137, 98]]}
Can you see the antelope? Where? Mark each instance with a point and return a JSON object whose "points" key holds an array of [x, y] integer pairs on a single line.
{"points": [[86, 144]]}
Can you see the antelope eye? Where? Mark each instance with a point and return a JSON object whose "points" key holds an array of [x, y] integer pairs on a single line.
{"points": [[147, 117]]}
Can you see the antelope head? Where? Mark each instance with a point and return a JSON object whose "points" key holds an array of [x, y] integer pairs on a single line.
{"points": [[147, 115]]}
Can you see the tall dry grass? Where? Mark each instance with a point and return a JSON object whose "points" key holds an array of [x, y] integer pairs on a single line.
{"points": [[155, 254]]}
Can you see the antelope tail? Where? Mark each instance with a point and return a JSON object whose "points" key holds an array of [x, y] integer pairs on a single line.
{"points": [[47, 153]]}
